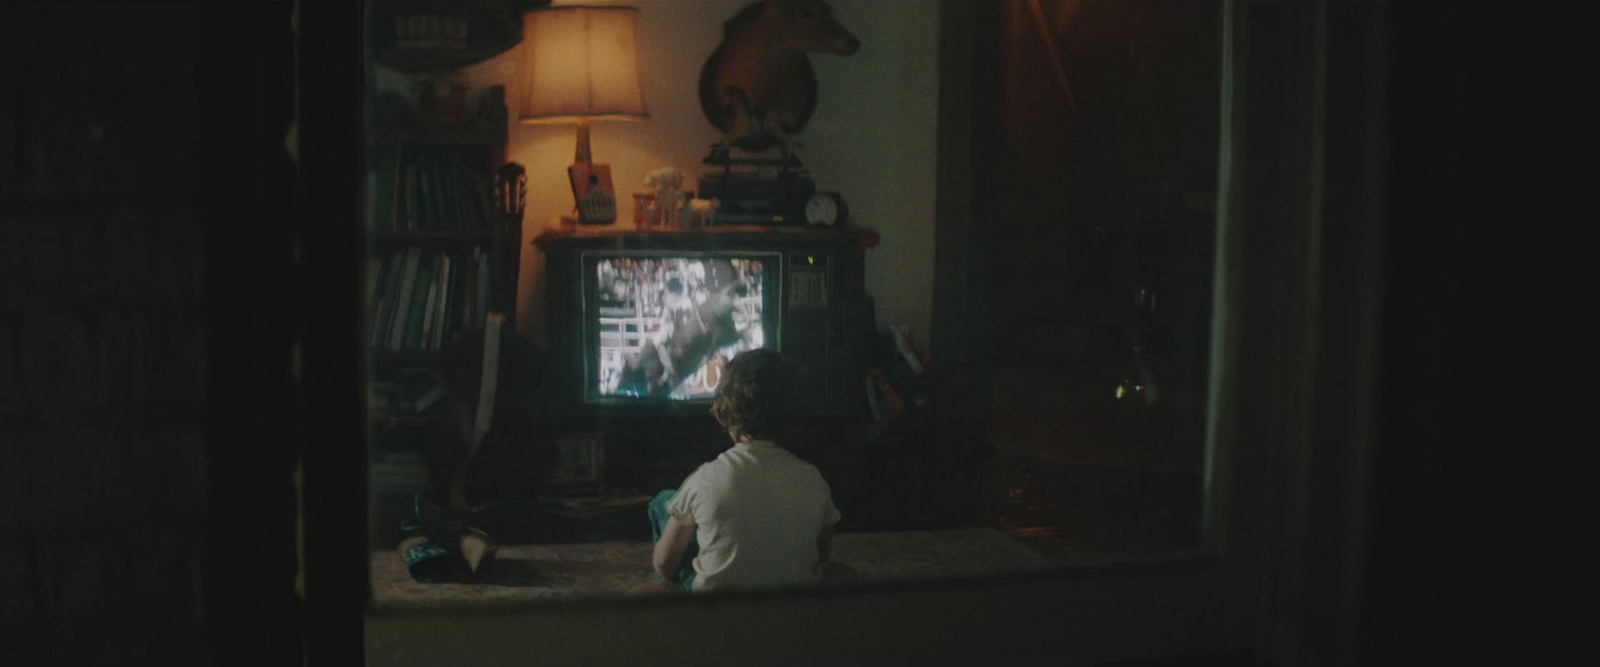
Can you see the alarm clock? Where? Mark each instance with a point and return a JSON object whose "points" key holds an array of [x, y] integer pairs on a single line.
{"points": [[826, 209]]}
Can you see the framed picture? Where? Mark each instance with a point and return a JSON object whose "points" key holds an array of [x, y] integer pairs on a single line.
{"points": [[591, 186], [580, 458], [412, 36]]}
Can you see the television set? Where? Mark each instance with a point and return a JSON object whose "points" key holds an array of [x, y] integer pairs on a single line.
{"points": [[642, 323], [660, 325]]}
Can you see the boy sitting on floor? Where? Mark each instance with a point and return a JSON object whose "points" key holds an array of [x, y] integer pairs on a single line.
{"points": [[756, 516]]}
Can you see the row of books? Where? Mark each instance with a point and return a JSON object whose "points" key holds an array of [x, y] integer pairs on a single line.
{"points": [[417, 188], [418, 298]]}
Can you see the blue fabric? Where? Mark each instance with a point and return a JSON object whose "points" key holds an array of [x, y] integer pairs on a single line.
{"points": [[430, 563], [439, 559], [658, 524]]}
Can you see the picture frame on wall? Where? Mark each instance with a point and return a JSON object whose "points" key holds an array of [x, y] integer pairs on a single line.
{"points": [[411, 36]]}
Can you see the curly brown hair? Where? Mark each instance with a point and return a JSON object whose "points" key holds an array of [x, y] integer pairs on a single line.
{"points": [[753, 400]]}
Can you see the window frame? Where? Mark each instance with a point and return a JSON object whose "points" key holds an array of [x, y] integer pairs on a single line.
{"points": [[1295, 296]]}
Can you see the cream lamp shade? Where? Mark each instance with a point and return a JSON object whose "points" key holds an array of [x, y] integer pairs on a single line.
{"points": [[581, 63]]}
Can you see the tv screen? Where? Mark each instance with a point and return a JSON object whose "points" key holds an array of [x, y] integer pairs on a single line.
{"points": [[661, 325]]}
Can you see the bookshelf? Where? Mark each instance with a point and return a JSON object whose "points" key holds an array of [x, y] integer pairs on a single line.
{"points": [[442, 255]]}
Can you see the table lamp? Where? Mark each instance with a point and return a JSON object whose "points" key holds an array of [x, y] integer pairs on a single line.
{"points": [[582, 64]]}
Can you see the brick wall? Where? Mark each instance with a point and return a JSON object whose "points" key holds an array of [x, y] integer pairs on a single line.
{"points": [[103, 334]]}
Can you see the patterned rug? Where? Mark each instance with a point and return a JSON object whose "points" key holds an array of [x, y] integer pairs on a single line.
{"points": [[608, 569]]}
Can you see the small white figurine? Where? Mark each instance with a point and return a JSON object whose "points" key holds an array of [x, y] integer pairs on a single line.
{"points": [[702, 212], [669, 200]]}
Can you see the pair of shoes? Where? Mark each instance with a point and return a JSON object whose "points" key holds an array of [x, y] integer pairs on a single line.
{"points": [[442, 548], [428, 562]]}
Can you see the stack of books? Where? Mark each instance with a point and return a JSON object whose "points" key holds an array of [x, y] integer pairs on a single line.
{"points": [[896, 382]]}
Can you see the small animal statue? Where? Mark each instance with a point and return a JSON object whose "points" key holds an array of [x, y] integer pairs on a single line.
{"points": [[669, 199], [701, 212], [758, 86]]}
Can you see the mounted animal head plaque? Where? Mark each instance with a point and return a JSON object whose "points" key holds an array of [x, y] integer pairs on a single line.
{"points": [[758, 86]]}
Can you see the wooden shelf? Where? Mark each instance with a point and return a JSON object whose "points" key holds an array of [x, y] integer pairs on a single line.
{"points": [[866, 236], [437, 175]]}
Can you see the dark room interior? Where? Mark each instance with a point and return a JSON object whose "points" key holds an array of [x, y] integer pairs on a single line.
{"points": [[1139, 345]]}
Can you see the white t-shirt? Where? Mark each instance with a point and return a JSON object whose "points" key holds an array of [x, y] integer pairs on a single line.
{"points": [[758, 511]]}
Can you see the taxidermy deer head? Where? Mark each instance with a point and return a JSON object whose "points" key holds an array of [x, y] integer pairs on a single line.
{"points": [[758, 86]]}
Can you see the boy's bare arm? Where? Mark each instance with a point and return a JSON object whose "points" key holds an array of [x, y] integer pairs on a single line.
{"points": [[675, 538]]}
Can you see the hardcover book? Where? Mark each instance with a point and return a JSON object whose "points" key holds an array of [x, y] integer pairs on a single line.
{"points": [[402, 298], [440, 323], [415, 313]]}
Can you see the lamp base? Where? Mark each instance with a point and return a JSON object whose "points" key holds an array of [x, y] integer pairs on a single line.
{"points": [[591, 188]]}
